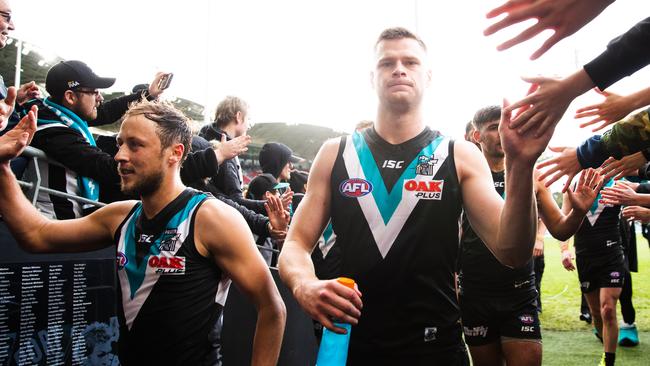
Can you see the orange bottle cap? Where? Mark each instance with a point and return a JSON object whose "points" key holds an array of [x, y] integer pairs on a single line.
{"points": [[347, 282]]}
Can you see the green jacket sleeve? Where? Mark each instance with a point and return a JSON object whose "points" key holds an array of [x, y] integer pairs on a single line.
{"points": [[628, 136]]}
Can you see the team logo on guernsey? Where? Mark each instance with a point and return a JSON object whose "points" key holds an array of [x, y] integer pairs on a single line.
{"points": [[430, 334], [425, 189], [527, 319], [168, 240], [167, 265], [122, 260], [425, 165], [355, 187]]}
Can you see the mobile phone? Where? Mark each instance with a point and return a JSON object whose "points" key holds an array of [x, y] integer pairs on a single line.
{"points": [[165, 80]]}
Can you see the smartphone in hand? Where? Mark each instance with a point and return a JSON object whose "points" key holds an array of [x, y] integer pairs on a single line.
{"points": [[165, 80]]}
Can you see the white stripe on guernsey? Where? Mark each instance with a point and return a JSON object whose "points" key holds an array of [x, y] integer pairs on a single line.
{"points": [[325, 245], [50, 125], [132, 307], [222, 290], [383, 234], [593, 216]]}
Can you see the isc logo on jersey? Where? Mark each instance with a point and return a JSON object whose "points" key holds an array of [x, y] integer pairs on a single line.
{"points": [[355, 187], [425, 189], [167, 265]]}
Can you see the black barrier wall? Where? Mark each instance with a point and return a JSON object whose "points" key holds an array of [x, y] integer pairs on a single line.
{"points": [[57, 309], [298, 345]]}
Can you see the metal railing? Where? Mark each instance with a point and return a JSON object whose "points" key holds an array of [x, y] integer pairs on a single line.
{"points": [[34, 187]]}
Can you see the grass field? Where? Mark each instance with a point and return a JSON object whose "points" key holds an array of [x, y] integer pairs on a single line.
{"points": [[569, 341]]}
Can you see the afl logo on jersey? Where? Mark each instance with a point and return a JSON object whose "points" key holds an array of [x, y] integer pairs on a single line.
{"points": [[355, 187], [122, 260], [425, 190]]}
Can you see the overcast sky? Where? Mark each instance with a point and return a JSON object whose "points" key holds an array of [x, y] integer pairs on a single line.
{"points": [[309, 62]]}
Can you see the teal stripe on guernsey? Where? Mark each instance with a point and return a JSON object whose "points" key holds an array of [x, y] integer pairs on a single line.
{"points": [[134, 272], [594, 206], [329, 230], [387, 202]]}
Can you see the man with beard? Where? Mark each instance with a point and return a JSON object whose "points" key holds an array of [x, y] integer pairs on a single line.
{"points": [[395, 193], [177, 248]]}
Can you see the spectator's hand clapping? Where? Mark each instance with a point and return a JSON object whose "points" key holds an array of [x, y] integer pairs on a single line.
{"points": [[14, 142], [278, 216], [566, 163], [7, 107], [287, 198], [613, 109], [564, 17]]}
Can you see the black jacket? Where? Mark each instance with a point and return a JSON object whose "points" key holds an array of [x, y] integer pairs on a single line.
{"points": [[228, 180], [625, 55]]}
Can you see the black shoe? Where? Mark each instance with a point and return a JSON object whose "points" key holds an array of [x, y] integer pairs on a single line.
{"points": [[586, 317]]}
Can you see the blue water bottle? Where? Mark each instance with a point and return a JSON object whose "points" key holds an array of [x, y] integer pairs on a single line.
{"points": [[333, 349]]}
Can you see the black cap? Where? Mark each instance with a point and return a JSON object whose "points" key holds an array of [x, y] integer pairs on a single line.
{"points": [[70, 75], [274, 156], [298, 181], [261, 184]]}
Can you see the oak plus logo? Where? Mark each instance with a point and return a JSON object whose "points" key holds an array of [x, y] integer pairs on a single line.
{"points": [[355, 187], [171, 265], [425, 189]]}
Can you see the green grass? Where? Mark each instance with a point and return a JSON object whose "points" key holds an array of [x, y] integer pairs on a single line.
{"points": [[569, 341]]}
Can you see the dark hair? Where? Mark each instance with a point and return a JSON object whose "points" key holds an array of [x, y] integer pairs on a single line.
{"points": [[469, 127], [172, 125], [227, 110], [485, 115], [398, 33]]}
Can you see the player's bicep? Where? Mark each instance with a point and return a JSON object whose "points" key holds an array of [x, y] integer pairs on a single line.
{"points": [[314, 210], [481, 202], [223, 232]]}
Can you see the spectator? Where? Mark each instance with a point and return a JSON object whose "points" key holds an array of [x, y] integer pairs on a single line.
{"points": [[277, 159]]}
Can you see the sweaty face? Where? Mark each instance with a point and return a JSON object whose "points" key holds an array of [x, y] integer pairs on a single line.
{"points": [[400, 76], [140, 157], [6, 23], [490, 139]]}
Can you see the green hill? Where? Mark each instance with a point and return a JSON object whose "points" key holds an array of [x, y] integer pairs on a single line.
{"points": [[303, 139]]}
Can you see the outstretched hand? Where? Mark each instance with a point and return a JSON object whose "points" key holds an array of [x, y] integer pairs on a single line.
{"points": [[564, 17], [522, 147], [278, 216], [613, 109], [566, 163], [14, 141], [586, 191], [227, 150], [628, 166], [544, 105], [636, 213], [621, 194]]}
